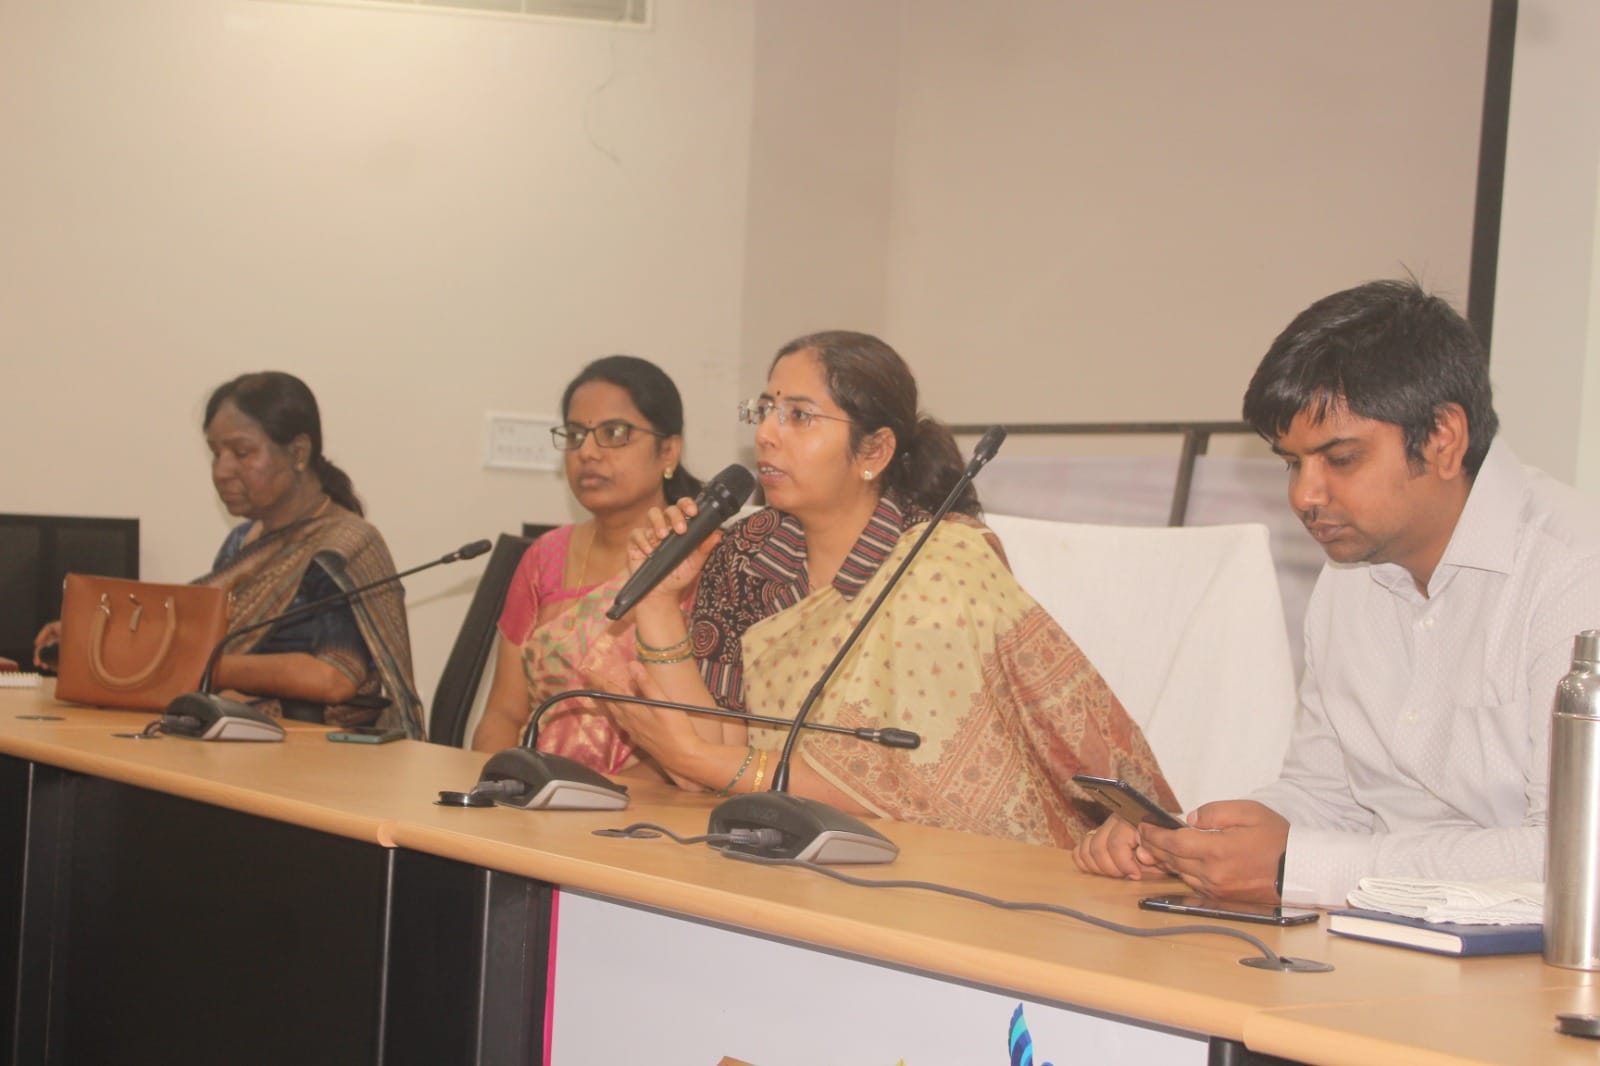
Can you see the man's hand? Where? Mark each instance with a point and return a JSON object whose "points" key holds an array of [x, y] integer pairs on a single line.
{"points": [[1237, 858], [1111, 851]]}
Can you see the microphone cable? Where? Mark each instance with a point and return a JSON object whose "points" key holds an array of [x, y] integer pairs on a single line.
{"points": [[649, 830]]}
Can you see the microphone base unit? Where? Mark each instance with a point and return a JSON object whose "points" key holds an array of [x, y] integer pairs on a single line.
{"points": [[551, 782], [207, 716], [811, 831]]}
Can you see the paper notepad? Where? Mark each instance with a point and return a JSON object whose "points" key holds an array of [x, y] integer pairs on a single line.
{"points": [[1444, 938], [16, 679]]}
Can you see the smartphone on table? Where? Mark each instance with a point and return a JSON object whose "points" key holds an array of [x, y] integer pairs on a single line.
{"points": [[1127, 802], [367, 734], [1206, 907]]}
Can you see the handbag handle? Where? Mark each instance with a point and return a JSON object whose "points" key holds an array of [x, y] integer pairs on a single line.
{"points": [[97, 637]]}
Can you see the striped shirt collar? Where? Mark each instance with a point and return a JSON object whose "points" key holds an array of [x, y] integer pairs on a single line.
{"points": [[782, 556]]}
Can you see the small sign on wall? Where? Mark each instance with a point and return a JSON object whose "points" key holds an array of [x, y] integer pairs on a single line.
{"points": [[520, 442]]}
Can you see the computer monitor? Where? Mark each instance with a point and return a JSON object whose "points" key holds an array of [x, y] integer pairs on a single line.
{"points": [[37, 551]]}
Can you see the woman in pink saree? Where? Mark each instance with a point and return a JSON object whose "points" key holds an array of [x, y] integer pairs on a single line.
{"points": [[622, 440]]}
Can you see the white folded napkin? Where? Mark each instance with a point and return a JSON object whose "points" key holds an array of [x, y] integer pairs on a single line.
{"points": [[1466, 902]]}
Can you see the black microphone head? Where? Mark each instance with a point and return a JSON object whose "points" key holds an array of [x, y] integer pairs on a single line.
{"points": [[727, 492], [473, 550], [719, 501], [899, 738], [987, 445]]}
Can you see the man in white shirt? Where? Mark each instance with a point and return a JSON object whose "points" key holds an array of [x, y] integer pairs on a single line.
{"points": [[1456, 582]]}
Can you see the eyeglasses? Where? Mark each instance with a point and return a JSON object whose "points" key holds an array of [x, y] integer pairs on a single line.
{"points": [[612, 434], [755, 412]]}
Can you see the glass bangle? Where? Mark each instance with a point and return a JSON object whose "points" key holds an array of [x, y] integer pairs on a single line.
{"points": [[670, 649], [750, 753]]}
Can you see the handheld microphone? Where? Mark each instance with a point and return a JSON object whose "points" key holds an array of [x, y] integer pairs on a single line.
{"points": [[719, 501], [809, 829], [538, 780], [204, 715]]}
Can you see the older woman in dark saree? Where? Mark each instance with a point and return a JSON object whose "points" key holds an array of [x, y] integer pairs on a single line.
{"points": [[304, 539]]}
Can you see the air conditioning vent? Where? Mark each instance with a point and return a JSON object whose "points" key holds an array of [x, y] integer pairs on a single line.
{"points": [[624, 12]]}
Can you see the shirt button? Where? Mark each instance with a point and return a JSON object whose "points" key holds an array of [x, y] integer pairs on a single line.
{"points": [[1427, 623]]}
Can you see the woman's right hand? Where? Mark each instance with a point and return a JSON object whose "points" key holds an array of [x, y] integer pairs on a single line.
{"points": [[642, 541], [669, 736], [50, 634]]}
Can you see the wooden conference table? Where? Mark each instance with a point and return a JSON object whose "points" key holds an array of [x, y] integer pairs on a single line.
{"points": [[308, 902]]}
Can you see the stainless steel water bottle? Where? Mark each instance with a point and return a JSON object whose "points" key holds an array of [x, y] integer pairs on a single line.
{"points": [[1572, 842]]}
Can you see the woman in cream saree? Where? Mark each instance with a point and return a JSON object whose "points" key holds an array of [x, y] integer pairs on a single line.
{"points": [[1008, 707]]}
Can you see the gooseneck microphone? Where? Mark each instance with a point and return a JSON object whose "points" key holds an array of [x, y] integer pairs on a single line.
{"points": [[809, 829], [718, 501], [204, 715], [538, 780], [889, 738], [466, 551]]}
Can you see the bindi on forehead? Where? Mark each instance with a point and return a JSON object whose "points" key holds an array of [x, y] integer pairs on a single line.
{"points": [[793, 397]]}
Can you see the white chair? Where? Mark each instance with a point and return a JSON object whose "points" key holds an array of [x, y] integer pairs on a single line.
{"points": [[1186, 625], [1137, 491]]}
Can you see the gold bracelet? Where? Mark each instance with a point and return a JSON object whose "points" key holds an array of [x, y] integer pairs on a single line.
{"points": [[676, 653], [761, 771], [675, 646], [749, 754]]}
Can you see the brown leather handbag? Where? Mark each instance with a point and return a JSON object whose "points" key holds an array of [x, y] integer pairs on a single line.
{"points": [[134, 644]]}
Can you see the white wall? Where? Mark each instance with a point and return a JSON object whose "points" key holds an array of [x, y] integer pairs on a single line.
{"points": [[1056, 211], [821, 173], [1546, 325], [425, 216], [1588, 477], [1122, 204]]}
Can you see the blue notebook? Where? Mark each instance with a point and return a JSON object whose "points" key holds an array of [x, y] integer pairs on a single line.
{"points": [[1442, 938]]}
